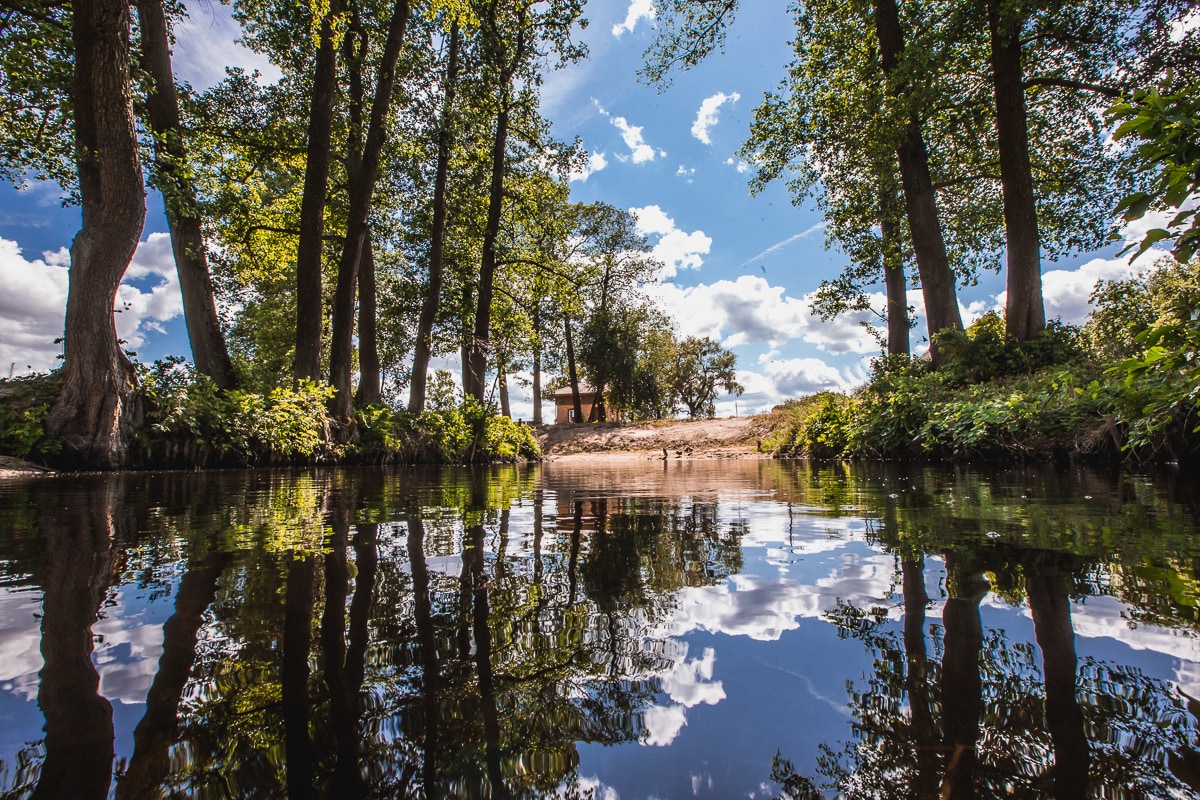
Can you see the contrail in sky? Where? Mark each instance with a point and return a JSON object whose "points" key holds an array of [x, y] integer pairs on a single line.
{"points": [[780, 245]]}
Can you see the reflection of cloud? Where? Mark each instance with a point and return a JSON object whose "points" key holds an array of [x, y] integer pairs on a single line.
{"points": [[20, 642], [762, 609], [127, 655], [689, 683], [663, 725], [1104, 617]]}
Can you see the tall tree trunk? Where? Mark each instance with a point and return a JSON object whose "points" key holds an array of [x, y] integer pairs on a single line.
{"points": [[1046, 589], [894, 285], [362, 187], [477, 348], [1024, 310], [179, 197], [920, 199], [370, 381], [572, 372], [537, 363], [423, 348], [502, 379], [98, 409], [309, 306]]}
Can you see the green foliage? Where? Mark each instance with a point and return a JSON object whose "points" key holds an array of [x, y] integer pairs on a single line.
{"points": [[1161, 389], [701, 366], [985, 350], [25, 404], [819, 426], [187, 409], [191, 421], [1166, 122]]}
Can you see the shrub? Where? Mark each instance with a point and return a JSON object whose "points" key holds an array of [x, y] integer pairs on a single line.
{"points": [[25, 404]]}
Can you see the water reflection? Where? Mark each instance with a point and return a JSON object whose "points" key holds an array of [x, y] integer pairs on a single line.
{"points": [[643, 630]]}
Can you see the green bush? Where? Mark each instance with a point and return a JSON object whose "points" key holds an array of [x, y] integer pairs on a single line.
{"points": [[818, 426], [25, 404], [186, 408]]}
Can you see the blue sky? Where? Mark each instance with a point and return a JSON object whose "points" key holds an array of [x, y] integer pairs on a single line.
{"points": [[736, 268]]}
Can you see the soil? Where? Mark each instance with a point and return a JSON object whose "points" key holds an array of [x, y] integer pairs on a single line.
{"points": [[13, 467], [733, 437]]}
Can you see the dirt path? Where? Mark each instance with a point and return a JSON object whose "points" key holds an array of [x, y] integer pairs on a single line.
{"points": [[734, 437]]}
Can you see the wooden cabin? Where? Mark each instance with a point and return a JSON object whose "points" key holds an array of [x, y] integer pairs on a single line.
{"points": [[564, 405]]}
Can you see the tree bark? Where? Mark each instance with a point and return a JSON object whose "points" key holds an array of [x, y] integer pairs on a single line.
{"points": [[423, 348], [895, 286], [179, 197], [362, 187], [920, 199], [502, 379], [98, 409], [1024, 309], [370, 380], [309, 306], [573, 372], [477, 348]]}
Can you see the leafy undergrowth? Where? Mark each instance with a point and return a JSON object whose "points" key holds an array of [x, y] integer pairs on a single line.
{"points": [[1124, 387], [190, 423]]}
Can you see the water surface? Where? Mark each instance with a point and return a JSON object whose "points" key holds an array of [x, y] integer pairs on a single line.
{"points": [[638, 630]]}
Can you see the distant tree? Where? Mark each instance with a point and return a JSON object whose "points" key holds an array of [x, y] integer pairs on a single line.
{"points": [[701, 367]]}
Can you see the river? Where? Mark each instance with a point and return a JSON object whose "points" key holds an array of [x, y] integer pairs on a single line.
{"points": [[620, 630]]}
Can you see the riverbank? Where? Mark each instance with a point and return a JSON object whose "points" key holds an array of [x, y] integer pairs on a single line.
{"points": [[733, 437]]}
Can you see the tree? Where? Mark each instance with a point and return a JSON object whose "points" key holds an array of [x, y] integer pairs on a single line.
{"points": [[97, 411], [172, 176], [514, 39], [1165, 123], [309, 248], [701, 366], [362, 172]]}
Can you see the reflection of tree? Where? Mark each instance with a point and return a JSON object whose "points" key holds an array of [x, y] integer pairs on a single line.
{"points": [[156, 732], [991, 719], [82, 541]]}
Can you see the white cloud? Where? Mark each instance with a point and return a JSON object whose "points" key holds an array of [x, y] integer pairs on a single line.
{"points": [[596, 162], [741, 166], [207, 41], [676, 249], [35, 301], [750, 310], [638, 10], [639, 151], [31, 308], [706, 116], [685, 172]]}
